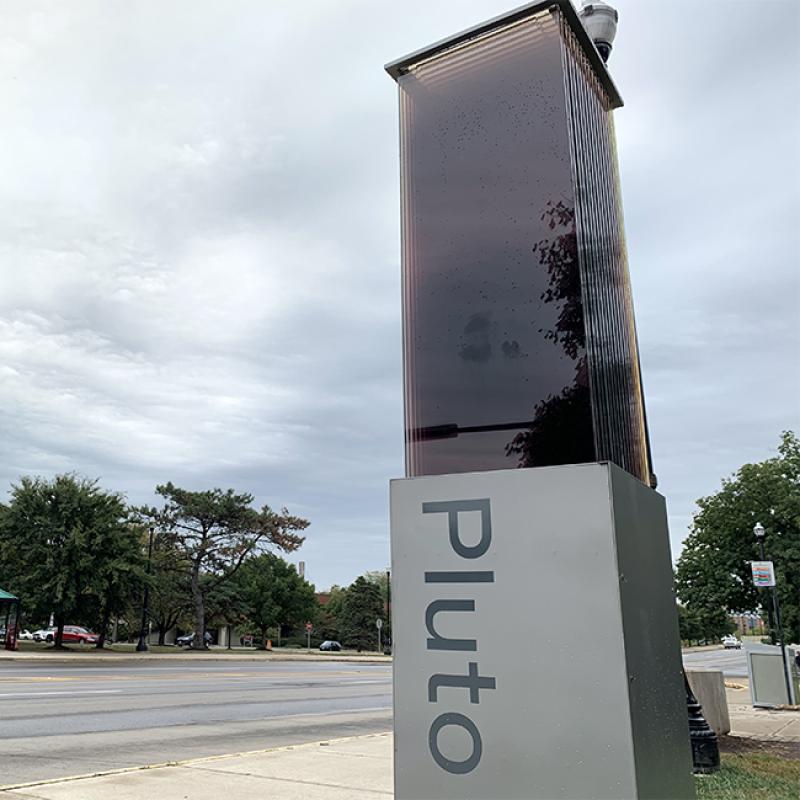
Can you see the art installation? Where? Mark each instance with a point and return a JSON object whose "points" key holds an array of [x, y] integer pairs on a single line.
{"points": [[519, 337], [520, 351]]}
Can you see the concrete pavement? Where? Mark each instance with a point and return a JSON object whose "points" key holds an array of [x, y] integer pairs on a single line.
{"points": [[355, 768], [358, 768], [781, 725]]}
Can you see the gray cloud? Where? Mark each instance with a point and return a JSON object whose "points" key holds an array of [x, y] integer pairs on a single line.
{"points": [[199, 219]]}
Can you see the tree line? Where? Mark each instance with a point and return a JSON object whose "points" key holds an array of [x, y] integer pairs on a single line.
{"points": [[78, 554]]}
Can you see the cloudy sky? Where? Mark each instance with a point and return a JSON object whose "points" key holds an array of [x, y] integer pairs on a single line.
{"points": [[199, 245]]}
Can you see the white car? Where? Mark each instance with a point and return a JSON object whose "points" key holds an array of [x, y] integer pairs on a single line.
{"points": [[44, 635], [25, 635], [730, 642]]}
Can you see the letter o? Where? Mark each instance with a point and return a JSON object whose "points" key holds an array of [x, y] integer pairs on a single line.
{"points": [[455, 767]]}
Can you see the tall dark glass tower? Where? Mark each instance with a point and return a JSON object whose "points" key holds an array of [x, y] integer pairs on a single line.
{"points": [[519, 337]]}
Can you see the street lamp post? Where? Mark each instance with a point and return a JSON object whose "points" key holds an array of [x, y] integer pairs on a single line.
{"points": [[388, 611], [142, 647], [760, 533]]}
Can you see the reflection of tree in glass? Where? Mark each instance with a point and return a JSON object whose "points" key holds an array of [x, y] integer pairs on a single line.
{"points": [[561, 431]]}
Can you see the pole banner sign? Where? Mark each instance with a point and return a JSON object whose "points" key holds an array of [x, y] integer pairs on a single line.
{"points": [[763, 573]]}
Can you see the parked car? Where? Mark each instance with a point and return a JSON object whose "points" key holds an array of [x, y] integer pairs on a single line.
{"points": [[730, 642], [20, 634], [72, 633], [76, 634], [330, 646], [187, 639], [44, 635]]}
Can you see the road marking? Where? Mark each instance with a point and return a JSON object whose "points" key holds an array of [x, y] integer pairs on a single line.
{"points": [[180, 675], [363, 683], [61, 694]]}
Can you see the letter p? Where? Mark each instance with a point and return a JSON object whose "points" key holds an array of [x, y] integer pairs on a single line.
{"points": [[452, 508]]}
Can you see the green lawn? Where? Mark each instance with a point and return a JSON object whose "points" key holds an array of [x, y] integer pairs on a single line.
{"points": [[752, 777]]}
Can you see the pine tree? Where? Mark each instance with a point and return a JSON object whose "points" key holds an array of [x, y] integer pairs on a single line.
{"points": [[362, 605], [216, 531]]}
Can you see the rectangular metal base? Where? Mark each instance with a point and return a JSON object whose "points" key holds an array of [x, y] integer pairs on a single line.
{"points": [[535, 638]]}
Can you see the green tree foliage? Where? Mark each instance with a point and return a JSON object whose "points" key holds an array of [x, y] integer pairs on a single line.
{"points": [[713, 574], [71, 551], [215, 531], [382, 579], [272, 594], [703, 625], [330, 614], [362, 605], [170, 590], [118, 573]]}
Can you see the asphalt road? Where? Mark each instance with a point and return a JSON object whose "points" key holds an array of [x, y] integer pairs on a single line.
{"points": [[58, 720], [733, 663]]}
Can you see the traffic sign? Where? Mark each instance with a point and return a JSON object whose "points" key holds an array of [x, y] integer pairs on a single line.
{"points": [[309, 626], [379, 623], [763, 573]]}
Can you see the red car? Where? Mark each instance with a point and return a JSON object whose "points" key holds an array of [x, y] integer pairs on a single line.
{"points": [[73, 633]]}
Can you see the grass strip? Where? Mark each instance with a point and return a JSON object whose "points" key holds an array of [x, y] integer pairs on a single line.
{"points": [[751, 777]]}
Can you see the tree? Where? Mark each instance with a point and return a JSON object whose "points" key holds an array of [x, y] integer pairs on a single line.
{"points": [[216, 531], [713, 573], [71, 549], [272, 594], [118, 574], [170, 589], [330, 614], [703, 625], [362, 605], [382, 579]]}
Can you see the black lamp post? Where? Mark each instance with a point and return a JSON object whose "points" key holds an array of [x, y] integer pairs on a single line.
{"points": [[705, 745], [142, 647], [760, 533], [388, 646]]}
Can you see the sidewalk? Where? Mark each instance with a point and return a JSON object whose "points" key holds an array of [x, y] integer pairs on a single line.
{"points": [[357, 768], [759, 723]]}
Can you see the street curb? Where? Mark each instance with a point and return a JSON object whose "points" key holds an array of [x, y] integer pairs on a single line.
{"points": [[130, 658], [186, 762]]}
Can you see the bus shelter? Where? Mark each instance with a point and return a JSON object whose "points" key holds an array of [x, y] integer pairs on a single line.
{"points": [[9, 614]]}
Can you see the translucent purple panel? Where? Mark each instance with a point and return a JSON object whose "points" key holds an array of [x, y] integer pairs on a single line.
{"points": [[498, 370], [617, 398], [495, 365]]}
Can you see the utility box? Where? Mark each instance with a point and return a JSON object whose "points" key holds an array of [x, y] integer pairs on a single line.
{"points": [[765, 669]]}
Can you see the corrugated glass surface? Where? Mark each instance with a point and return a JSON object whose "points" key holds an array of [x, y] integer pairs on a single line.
{"points": [[496, 372], [618, 408]]}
